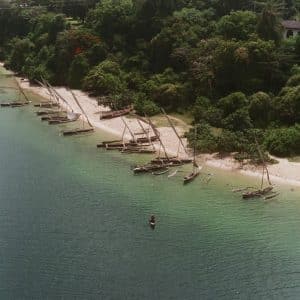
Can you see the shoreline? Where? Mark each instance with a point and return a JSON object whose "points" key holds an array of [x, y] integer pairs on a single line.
{"points": [[284, 172]]}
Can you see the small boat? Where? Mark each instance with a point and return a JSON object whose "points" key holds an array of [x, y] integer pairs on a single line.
{"points": [[77, 131], [258, 193], [161, 173], [189, 178], [152, 222], [262, 191], [173, 174], [196, 169], [48, 112], [115, 114], [275, 194], [148, 168]]}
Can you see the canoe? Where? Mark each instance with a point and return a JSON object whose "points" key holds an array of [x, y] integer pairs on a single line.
{"points": [[161, 173]]}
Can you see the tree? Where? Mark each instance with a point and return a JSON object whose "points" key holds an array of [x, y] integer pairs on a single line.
{"points": [[204, 111], [78, 70], [111, 18], [238, 24], [269, 26], [105, 79], [21, 49], [286, 105], [232, 103], [143, 106], [183, 30], [283, 141], [259, 109], [235, 112]]}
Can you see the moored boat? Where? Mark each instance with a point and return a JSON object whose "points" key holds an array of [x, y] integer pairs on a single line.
{"points": [[196, 169]]}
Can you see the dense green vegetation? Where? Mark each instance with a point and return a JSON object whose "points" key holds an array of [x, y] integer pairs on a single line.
{"points": [[224, 61]]}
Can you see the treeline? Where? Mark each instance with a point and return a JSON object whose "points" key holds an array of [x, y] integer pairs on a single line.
{"points": [[223, 61]]}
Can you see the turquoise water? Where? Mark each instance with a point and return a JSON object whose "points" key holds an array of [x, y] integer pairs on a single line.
{"points": [[73, 225]]}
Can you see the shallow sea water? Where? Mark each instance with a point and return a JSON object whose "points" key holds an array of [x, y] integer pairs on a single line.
{"points": [[73, 225]]}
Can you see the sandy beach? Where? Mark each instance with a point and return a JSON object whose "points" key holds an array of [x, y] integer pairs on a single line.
{"points": [[284, 172]]}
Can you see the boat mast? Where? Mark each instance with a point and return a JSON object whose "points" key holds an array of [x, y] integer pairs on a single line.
{"points": [[22, 92], [194, 160], [158, 136], [263, 161], [174, 129], [126, 126], [146, 133], [54, 96], [59, 96], [83, 112], [45, 86]]}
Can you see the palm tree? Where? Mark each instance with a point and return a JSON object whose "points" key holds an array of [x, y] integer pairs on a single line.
{"points": [[269, 25]]}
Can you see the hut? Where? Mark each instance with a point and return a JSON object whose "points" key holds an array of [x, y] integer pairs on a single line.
{"points": [[291, 28]]}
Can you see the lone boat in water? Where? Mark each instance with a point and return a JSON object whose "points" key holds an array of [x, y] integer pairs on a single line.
{"points": [[190, 177], [152, 222]]}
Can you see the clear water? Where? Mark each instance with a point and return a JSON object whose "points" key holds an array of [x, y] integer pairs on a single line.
{"points": [[73, 225]]}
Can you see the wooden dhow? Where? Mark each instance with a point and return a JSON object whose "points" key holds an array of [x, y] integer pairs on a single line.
{"points": [[82, 130], [263, 191], [196, 169], [115, 113]]}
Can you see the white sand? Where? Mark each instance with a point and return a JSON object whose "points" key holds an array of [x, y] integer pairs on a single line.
{"points": [[114, 126], [284, 171]]}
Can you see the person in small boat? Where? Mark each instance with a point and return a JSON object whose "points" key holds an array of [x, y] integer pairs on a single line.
{"points": [[152, 220]]}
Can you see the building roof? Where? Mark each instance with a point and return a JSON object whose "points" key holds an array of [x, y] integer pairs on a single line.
{"points": [[291, 24]]}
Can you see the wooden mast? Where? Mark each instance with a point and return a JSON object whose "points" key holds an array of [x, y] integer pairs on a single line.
{"points": [[194, 151], [146, 133], [126, 125], [263, 161], [83, 112], [45, 86], [158, 136], [22, 92], [59, 96], [174, 129]]}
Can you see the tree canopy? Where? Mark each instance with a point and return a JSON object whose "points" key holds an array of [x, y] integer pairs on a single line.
{"points": [[223, 61]]}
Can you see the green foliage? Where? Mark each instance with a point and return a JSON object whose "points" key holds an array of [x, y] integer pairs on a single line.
{"points": [[283, 141], [224, 60], [238, 24], [205, 141], [110, 18], [259, 109], [286, 105], [293, 81], [105, 79], [204, 111], [269, 26], [144, 106], [232, 102], [21, 49], [78, 70], [238, 120], [49, 23]]}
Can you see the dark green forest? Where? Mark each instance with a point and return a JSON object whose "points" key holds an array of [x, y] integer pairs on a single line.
{"points": [[224, 62]]}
